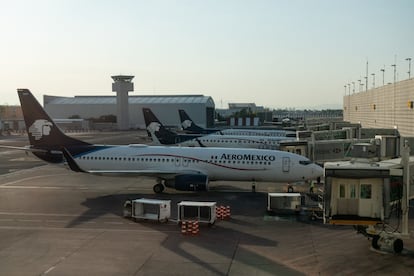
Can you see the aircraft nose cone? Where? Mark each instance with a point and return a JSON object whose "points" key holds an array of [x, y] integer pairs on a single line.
{"points": [[317, 171]]}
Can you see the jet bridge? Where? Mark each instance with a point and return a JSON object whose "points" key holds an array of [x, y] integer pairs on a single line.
{"points": [[372, 196]]}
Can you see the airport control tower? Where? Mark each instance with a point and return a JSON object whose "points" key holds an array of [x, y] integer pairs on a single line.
{"points": [[122, 85]]}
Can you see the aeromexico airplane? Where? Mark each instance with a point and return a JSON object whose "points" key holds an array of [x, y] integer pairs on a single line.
{"points": [[162, 136], [189, 126], [181, 168]]}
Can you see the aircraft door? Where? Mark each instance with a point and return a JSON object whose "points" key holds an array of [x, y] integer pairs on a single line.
{"points": [[357, 197], [370, 198], [285, 164], [347, 196]]}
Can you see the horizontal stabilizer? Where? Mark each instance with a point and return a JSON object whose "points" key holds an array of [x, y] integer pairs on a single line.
{"points": [[27, 148]]}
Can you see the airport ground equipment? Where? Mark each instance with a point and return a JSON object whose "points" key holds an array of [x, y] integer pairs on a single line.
{"points": [[204, 212], [295, 203], [284, 202], [148, 209], [372, 196]]}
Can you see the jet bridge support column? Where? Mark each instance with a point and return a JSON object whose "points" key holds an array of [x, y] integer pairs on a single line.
{"points": [[406, 188]]}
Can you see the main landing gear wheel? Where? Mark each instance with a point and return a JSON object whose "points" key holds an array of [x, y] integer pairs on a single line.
{"points": [[158, 188], [375, 242], [398, 245]]}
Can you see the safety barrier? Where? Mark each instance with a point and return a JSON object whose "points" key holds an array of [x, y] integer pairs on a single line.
{"points": [[223, 212], [190, 227]]}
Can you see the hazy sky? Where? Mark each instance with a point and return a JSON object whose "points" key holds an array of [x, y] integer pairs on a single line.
{"points": [[280, 54]]}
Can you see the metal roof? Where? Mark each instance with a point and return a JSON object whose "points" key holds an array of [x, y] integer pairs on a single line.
{"points": [[142, 99]]}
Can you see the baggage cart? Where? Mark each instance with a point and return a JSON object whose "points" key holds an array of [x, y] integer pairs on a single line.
{"points": [[204, 212], [148, 209]]}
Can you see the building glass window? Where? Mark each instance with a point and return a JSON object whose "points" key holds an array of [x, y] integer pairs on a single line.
{"points": [[353, 191], [365, 191]]}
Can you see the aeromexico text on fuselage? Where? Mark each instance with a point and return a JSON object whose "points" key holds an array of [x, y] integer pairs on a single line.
{"points": [[248, 157]]}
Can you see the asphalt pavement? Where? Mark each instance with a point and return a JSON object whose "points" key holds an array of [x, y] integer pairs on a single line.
{"points": [[57, 222]]}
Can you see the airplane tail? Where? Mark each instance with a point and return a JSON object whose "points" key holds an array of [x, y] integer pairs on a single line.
{"points": [[159, 133], [189, 125], [43, 133]]}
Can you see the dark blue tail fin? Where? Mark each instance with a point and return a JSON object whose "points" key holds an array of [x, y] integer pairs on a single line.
{"points": [[159, 134], [43, 133], [189, 126]]}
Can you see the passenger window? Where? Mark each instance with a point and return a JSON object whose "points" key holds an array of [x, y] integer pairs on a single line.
{"points": [[365, 191]]}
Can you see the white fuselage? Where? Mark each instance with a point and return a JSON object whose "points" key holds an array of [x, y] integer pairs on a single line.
{"points": [[236, 141], [257, 132], [216, 163]]}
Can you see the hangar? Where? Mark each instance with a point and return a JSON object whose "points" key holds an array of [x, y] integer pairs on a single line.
{"points": [[199, 107]]}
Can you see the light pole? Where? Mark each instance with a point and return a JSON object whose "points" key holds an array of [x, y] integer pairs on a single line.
{"points": [[409, 67], [359, 88], [353, 87], [345, 89], [383, 74], [395, 70], [349, 89], [366, 81], [373, 80]]}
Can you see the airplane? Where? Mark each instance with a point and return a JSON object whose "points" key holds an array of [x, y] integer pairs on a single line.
{"points": [[162, 136], [189, 126], [181, 168]]}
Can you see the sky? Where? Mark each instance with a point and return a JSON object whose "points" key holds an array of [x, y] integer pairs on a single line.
{"points": [[278, 54]]}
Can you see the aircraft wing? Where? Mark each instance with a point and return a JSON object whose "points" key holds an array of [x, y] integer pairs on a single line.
{"points": [[26, 148]]}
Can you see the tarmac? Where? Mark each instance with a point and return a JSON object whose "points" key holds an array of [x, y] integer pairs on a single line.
{"points": [[57, 222]]}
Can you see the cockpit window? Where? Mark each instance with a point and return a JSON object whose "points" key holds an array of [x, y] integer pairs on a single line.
{"points": [[305, 162]]}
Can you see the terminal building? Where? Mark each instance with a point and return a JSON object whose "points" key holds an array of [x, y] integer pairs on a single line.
{"points": [[389, 106]]}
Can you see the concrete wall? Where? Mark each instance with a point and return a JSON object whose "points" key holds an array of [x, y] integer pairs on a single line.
{"points": [[388, 106]]}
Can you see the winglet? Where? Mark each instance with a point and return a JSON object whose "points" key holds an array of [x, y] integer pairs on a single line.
{"points": [[71, 162]]}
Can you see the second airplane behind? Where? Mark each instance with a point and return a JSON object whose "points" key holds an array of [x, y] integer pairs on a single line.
{"points": [[162, 136]]}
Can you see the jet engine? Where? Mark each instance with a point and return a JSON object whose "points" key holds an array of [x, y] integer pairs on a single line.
{"points": [[188, 182]]}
